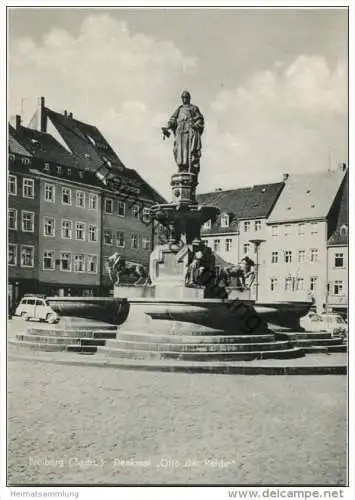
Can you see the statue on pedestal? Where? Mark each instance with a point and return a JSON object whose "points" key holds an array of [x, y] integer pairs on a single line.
{"points": [[187, 125]]}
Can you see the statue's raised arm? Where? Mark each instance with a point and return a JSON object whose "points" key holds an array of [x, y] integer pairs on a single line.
{"points": [[187, 125]]}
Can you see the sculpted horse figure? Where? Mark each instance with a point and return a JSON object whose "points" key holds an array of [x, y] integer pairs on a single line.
{"points": [[118, 266]]}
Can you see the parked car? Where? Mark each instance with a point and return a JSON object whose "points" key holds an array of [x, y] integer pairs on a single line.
{"points": [[36, 307], [325, 322]]}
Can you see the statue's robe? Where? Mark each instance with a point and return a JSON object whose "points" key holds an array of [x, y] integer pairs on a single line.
{"points": [[187, 123]]}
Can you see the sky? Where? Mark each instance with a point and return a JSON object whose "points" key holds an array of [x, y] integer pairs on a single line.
{"points": [[271, 84]]}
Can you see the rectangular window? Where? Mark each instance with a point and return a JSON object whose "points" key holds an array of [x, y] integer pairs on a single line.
{"points": [[80, 231], [66, 196], [108, 206], [246, 248], [258, 225], [338, 288], [80, 199], [224, 220], [28, 221], [228, 245], [47, 167], [314, 227], [92, 201], [288, 284], [275, 230], [92, 232], [12, 218], [314, 255], [135, 211], [49, 193], [207, 225], [65, 261], [79, 263], [273, 284], [48, 260], [28, 188], [49, 226], [146, 243], [274, 257], [216, 245], [120, 239], [299, 284], [146, 214], [134, 241], [288, 256], [287, 229], [12, 185], [67, 229], [246, 226], [91, 264], [27, 256], [301, 229], [339, 260], [301, 256], [313, 283], [59, 170], [108, 237], [121, 208], [12, 255]]}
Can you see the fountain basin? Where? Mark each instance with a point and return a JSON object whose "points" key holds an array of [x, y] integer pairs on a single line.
{"points": [[107, 309]]}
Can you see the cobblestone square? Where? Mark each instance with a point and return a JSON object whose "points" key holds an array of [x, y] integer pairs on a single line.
{"points": [[88, 425]]}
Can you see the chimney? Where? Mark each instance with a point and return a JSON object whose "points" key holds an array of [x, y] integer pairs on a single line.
{"points": [[43, 115], [18, 122], [342, 167], [285, 177], [70, 115], [65, 113]]}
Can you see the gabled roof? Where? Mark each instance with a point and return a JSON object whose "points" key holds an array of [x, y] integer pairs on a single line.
{"points": [[15, 147], [307, 196], [91, 151], [42, 145], [85, 141], [244, 203], [340, 234]]}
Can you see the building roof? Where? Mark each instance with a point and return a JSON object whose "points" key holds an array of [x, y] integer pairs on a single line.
{"points": [[42, 145], [16, 148], [85, 141], [340, 234], [307, 196], [244, 203], [91, 151]]}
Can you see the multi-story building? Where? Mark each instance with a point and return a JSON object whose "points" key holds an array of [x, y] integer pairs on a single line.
{"points": [[80, 220], [241, 222], [294, 262], [338, 256], [23, 223], [125, 224], [68, 235]]}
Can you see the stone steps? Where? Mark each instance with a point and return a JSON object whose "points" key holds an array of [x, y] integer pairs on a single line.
{"points": [[199, 356], [98, 333], [308, 335], [193, 339], [198, 348], [317, 342]]}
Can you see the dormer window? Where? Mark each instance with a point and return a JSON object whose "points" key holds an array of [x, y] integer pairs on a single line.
{"points": [[46, 167], [344, 230], [207, 225], [224, 220], [25, 161]]}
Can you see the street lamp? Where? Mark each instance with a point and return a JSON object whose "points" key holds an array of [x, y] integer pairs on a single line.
{"points": [[257, 243]]}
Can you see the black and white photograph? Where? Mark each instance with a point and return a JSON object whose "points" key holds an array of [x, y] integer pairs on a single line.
{"points": [[178, 182]]}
